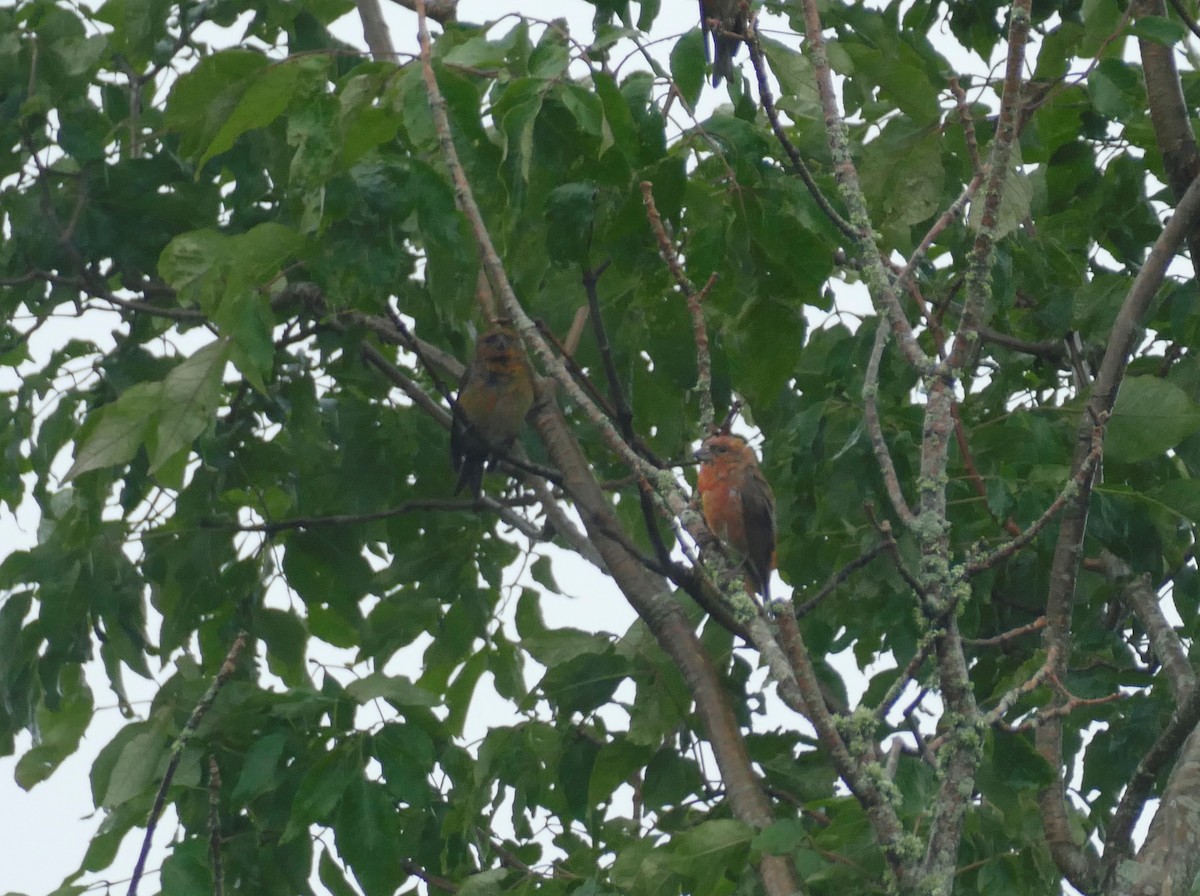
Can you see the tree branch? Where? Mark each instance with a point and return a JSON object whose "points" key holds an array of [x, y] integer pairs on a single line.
{"points": [[794, 158], [664, 616], [375, 30], [1169, 113], [882, 288], [885, 823], [1164, 640], [883, 454], [1078, 867], [201, 709], [699, 332]]}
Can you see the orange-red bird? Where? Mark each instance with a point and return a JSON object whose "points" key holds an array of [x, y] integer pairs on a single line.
{"points": [[721, 19], [495, 395], [739, 506]]}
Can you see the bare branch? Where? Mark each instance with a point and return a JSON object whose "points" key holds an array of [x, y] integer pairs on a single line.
{"points": [[797, 161], [1002, 553], [699, 331], [1164, 640], [1076, 865], [884, 821], [214, 826], [198, 712], [883, 454], [1169, 112], [1004, 638], [375, 30], [883, 291], [977, 308]]}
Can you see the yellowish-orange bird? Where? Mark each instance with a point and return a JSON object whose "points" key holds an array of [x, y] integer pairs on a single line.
{"points": [[495, 395]]}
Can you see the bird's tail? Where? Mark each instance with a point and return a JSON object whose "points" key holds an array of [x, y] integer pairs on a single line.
{"points": [[724, 50]]}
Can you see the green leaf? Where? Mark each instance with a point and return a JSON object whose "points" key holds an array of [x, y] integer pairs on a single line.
{"points": [[585, 683], [259, 767], [286, 638], [1150, 416], [264, 100], [687, 64], [321, 789], [1159, 29], [485, 883], [797, 78], [192, 264], [115, 432], [365, 831], [571, 217], [136, 770], [1015, 199], [329, 872], [706, 848], [1115, 89], [191, 394], [59, 731], [203, 98], [902, 174], [396, 689], [780, 838]]}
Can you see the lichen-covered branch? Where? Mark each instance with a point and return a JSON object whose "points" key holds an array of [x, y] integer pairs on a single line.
{"points": [[883, 290], [1139, 594], [694, 303], [883, 454], [976, 309]]}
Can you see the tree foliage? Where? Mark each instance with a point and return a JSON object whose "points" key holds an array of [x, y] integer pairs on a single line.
{"points": [[244, 263]]}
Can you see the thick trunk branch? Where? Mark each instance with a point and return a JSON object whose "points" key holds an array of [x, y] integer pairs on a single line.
{"points": [[1169, 114], [1076, 863]]}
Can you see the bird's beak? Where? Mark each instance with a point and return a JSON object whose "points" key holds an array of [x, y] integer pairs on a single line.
{"points": [[702, 454]]}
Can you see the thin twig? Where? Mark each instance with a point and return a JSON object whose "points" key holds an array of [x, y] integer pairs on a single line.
{"points": [[1012, 634], [797, 161], [840, 577], [1010, 697], [214, 826], [968, 124], [883, 455], [1068, 492], [1179, 8], [879, 282], [201, 709], [911, 668], [699, 331], [977, 307], [948, 217]]}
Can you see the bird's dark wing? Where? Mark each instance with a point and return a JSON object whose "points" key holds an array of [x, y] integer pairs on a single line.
{"points": [[758, 508]]}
